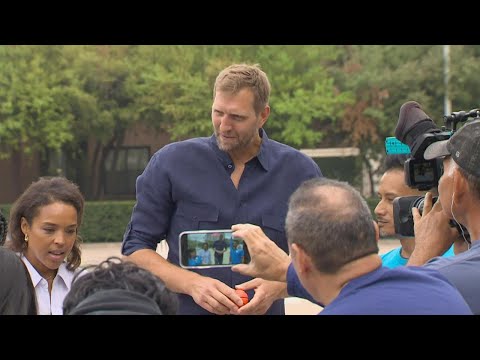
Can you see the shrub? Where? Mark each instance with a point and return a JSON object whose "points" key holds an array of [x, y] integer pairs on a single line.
{"points": [[103, 221]]}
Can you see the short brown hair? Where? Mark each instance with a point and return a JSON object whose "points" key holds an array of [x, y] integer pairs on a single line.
{"points": [[239, 76]]}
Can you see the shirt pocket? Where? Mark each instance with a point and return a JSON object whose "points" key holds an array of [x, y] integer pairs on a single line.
{"points": [[274, 227], [199, 216]]}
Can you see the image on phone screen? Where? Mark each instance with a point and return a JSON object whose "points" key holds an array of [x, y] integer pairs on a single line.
{"points": [[211, 248]]}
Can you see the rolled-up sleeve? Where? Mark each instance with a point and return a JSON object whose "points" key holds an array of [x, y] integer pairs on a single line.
{"points": [[151, 214]]}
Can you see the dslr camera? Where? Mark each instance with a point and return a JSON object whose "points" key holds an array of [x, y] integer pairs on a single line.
{"points": [[417, 130]]}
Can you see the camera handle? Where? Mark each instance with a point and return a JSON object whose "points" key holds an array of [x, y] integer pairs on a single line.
{"points": [[452, 120]]}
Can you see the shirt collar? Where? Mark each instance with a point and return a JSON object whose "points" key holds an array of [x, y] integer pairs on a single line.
{"points": [[262, 156], [264, 150], [63, 273]]}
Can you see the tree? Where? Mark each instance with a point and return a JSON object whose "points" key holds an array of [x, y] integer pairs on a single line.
{"points": [[32, 119]]}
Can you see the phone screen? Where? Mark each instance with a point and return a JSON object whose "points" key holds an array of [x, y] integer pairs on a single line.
{"points": [[211, 248]]}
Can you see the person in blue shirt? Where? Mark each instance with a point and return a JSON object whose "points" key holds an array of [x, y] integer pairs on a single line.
{"points": [[392, 184], [236, 253], [193, 258], [236, 175], [333, 243], [459, 200]]}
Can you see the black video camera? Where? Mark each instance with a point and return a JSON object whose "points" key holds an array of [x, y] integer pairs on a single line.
{"points": [[402, 213], [418, 131]]}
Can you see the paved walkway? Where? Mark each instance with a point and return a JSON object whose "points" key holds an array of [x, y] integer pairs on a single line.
{"points": [[93, 253]]}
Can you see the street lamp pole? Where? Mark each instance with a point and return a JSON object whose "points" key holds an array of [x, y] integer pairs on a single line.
{"points": [[447, 104]]}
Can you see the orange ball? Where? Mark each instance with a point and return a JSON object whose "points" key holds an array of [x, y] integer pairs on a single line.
{"points": [[243, 295]]}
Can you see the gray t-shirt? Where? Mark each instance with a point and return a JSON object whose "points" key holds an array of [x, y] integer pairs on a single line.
{"points": [[463, 271]]}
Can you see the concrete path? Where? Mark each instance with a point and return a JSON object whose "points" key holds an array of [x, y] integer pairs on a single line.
{"points": [[93, 253]]}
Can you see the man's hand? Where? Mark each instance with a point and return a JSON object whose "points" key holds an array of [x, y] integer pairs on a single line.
{"points": [[266, 292], [214, 296], [433, 233], [268, 261]]}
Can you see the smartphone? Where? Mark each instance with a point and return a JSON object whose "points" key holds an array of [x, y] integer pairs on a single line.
{"points": [[211, 248]]}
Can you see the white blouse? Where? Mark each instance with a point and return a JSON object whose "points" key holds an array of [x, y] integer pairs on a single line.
{"points": [[61, 286]]}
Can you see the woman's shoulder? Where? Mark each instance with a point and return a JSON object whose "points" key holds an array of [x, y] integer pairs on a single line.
{"points": [[69, 275]]}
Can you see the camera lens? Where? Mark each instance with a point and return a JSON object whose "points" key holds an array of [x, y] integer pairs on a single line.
{"points": [[420, 202]]}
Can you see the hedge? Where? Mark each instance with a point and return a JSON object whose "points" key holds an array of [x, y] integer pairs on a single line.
{"points": [[104, 221], [372, 203]]}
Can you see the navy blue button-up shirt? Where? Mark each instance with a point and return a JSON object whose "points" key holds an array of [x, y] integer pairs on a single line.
{"points": [[186, 186]]}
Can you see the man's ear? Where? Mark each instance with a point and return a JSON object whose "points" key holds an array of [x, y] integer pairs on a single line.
{"points": [[460, 185], [264, 115], [303, 261]]}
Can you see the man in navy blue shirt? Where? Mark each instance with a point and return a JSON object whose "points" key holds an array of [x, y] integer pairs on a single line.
{"points": [[219, 248], [236, 175], [334, 261]]}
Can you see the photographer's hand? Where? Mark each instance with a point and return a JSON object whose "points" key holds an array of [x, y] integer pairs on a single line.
{"points": [[266, 292], [433, 234], [268, 261]]}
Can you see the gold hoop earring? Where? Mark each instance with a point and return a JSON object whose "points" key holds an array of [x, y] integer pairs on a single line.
{"points": [[26, 238]]}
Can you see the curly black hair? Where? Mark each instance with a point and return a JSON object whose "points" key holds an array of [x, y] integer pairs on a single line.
{"points": [[117, 287]]}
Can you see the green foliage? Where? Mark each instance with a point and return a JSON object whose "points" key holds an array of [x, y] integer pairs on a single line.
{"points": [[62, 97], [341, 168], [106, 221], [102, 221], [372, 203], [5, 209], [177, 89], [31, 117]]}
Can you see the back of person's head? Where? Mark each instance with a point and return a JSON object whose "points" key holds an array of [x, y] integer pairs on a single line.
{"points": [[43, 192], [17, 294], [237, 77], [473, 182], [464, 149], [116, 287], [331, 222]]}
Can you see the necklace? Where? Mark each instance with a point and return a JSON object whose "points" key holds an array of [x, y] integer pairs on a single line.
{"points": [[49, 277]]}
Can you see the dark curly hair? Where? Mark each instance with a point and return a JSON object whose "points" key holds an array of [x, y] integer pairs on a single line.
{"points": [[43, 192], [117, 287]]}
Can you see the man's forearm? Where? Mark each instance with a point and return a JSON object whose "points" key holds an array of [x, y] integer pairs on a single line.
{"points": [[420, 257], [174, 277], [423, 252]]}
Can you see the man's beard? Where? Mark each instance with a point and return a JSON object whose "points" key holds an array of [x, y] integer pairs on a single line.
{"points": [[385, 235], [233, 146]]}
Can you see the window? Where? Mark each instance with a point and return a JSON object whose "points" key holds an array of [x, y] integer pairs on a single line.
{"points": [[122, 167]]}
